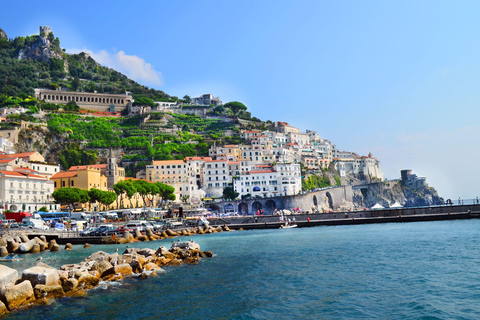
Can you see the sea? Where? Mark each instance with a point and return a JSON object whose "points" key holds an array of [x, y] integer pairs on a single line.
{"points": [[421, 270]]}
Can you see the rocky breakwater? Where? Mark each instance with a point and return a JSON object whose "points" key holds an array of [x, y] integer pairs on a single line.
{"points": [[149, 235], [20, 243], [39, 284]]}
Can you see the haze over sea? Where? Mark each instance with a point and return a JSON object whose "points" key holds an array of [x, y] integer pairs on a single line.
{"points": [[426, 270]]}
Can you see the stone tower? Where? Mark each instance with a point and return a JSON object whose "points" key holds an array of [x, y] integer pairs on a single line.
{"points": [[112, 170], [45, 31]]}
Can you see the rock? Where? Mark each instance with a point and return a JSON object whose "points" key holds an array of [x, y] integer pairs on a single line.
{"points": [[171, 233], [173, 262], [137, 233], [86, 245], [148, 232], [162, 261], [41, 275], [146, 252], [3, 309], [113, 277], [13, 296], [24, 238], [88, 281], [51, 244], [27, 246], [7, 275], [122, 241], [163, 252], [3, 251], [43, 238], [124, 269], [35, 248], [42, 291], [99, 256], [17, 240], [42, 246], [3, 35], [142, 238], [101, 266], [69, 284], [152, 266], [12, 246], [164, 234], [55, 247], [136, 266], [209, 254], [44, 265], [186, 245], [68, 246]]}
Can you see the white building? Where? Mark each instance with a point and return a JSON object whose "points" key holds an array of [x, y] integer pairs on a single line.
{"points": [[216, 176], [22, 190], [266, 181], [206, 100]]}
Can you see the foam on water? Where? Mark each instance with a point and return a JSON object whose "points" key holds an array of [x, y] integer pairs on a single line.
{"points": [[386, 271]]}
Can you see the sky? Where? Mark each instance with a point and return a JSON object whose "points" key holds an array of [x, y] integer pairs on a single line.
{"points": [[399, 79]]}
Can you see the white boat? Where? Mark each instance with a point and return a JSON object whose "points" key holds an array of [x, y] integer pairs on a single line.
{"points": [[287, 226]]}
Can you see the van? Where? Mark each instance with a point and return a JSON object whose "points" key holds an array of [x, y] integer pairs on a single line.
{"points": [[138, 225]]}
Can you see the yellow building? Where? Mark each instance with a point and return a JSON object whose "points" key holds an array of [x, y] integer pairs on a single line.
{"points": [[92, 176]]}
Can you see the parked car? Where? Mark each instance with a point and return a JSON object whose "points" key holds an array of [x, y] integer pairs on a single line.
{"points": [[105, 230], [88, 232], [26, 225]]}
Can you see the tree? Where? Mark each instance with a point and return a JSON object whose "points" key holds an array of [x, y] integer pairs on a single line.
{"points": [[144, 101], [187, 98], [145, 189], [229, 193], [165, 191], [236, 107], [70, 196], [185, 198], [95, 195], [108, 197], [75, 83], [71, 106], [124, 188], [43, 209]]}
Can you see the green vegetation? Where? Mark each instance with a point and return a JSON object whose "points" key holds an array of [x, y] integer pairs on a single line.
{"points": [[315, 181], [338, 181], [70, 196], [230, 194]]}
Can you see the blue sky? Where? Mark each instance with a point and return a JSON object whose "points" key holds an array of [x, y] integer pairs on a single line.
{"points": [[399, 79]]}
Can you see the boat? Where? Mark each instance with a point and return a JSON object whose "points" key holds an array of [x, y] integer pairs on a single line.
{"points": [[10, 259], [287, 226]]}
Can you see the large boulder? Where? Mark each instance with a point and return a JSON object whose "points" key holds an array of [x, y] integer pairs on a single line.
{"points": [[27, 246], [3, 251], [99, 256], [69, 284], [101, 266], [136, 266], [124, 269], [7, 275], [146, 252], [163, 252], [13, 296], [88, 281], [12, 246], [186, 245], [41, 275], [42, 291], [3, 308], [152, 266]]}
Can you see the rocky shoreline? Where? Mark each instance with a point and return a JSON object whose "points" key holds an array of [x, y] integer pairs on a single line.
{"points": [[38, 284]]}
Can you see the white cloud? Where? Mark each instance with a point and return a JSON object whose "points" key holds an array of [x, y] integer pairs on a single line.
{"points": [[132, 66]]}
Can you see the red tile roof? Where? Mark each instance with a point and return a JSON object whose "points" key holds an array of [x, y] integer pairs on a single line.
{"points": [[60, 175]]}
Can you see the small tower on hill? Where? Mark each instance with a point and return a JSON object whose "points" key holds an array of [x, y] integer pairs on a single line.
{"points": [[112, 170]]}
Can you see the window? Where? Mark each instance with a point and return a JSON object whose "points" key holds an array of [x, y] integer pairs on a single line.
{"points": [[71, 183]]}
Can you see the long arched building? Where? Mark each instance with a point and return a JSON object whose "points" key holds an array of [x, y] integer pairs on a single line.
{"points": [[103, 102]]}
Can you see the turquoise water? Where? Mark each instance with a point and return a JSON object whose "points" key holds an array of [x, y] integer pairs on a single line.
{"points": [[427, 270]]}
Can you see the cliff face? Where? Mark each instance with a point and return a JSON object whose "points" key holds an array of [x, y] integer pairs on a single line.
{"points": [[43, 48], [389, 192]]}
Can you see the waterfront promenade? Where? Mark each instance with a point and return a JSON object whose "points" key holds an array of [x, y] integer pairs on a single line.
{"points": [[418, 214]]}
